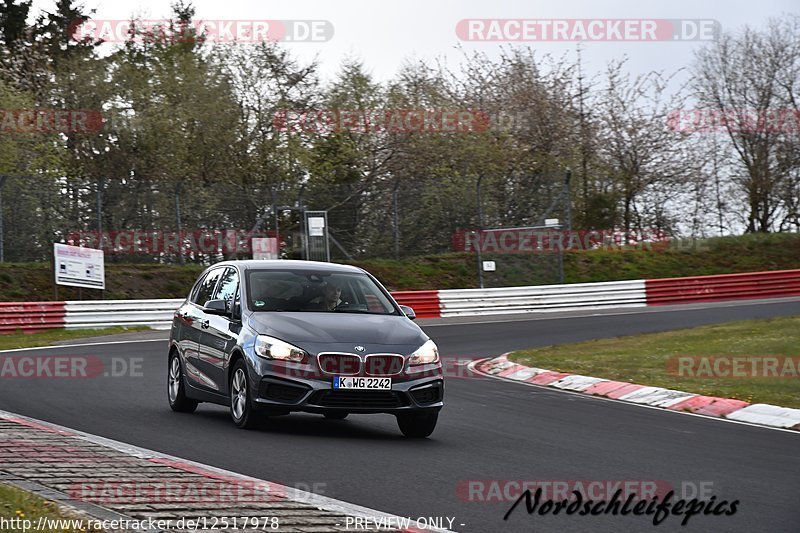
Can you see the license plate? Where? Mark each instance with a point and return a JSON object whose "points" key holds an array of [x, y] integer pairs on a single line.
{"points": [[340, 382]]}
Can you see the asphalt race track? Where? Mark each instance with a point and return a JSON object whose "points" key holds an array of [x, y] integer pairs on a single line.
{"points": [[489, 430]]}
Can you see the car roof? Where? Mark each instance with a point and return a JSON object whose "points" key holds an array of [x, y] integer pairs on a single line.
{"points": [[281, 264]]}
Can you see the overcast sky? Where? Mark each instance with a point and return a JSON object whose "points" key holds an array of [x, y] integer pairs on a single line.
{"points": [[384, 34]]}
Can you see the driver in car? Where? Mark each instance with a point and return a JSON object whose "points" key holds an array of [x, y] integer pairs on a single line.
{"points": [[330, 298]]}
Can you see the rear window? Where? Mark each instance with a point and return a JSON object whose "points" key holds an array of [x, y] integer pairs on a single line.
{"points": [[316, 291]]}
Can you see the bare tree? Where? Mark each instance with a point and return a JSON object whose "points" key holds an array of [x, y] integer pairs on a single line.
{"points": [[648, 162], [750, 78]]}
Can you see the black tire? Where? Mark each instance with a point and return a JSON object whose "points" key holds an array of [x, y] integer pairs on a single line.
{"points": [[417, 425], [336, 415], [176, 388], [243, 413]]}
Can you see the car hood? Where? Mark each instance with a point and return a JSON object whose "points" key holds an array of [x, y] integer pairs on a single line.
{"points": [[305, 329]]}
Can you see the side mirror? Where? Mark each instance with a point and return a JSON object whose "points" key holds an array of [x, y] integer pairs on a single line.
{"points": [[408, 312], [216, 307]]}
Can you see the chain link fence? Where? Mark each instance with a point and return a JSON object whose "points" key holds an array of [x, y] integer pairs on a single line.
{"points": [[179, 223]]}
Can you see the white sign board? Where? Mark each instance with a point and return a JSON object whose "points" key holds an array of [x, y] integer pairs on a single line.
{"points": [[264, 248], [550, 222], [79, 267], [316, 226], [489, 266]]}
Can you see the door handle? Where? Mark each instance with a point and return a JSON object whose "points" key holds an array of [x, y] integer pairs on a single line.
{"points": [[205, 324]]}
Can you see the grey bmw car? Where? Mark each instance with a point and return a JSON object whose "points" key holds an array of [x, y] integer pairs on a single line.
{"points": [[269, 338]]}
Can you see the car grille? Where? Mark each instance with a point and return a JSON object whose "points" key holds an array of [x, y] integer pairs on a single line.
{"points": [[355, 399], [340, 364], [384, 365]]}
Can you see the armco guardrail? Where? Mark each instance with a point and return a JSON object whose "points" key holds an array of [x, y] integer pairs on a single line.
{"points": [[722, 287], [531, 299], [158, 313], [107, 313], [31, 316]]}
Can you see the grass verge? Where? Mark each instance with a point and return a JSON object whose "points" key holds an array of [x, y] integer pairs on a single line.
{"points": [[22, 505], [645, 359], [45, 338]]}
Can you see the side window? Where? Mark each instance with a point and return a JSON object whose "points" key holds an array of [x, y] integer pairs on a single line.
{"points": [[206, 288], [228, 285], [195, 288]]}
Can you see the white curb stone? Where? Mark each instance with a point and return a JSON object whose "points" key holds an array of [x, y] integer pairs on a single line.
{"points": [[643, 395], [576, 382], [769, 415], [499, 366], [668, 397], [525, 373]]}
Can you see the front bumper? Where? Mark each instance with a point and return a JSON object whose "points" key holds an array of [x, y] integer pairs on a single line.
{"points": [[279, 387]]}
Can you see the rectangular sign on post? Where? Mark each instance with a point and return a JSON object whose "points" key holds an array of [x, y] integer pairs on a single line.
{"points": [[79, 267], [316, 238], [316, 226]]}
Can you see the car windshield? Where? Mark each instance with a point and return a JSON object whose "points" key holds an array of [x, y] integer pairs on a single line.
{"points": [[303, 290]]}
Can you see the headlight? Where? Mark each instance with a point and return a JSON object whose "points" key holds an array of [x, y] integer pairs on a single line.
{"points": [[273, 348], [426, 354]]}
